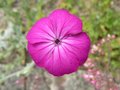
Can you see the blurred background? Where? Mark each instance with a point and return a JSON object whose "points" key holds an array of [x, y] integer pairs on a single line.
{"points": [[101, 20]]}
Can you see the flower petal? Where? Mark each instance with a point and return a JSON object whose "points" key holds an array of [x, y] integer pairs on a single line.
{"points": [[65, 23], [40, 32], [79, 45], [62, 62], [40, 53]]}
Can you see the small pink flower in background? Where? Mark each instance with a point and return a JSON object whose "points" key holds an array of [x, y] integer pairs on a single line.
{"points": [[58, 44], [97, 78]]}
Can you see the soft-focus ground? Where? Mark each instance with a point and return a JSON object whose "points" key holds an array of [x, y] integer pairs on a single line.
{"points": [[101, 20]]}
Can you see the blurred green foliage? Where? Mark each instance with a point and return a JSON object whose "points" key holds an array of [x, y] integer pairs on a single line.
{"points": [[98, 16]]}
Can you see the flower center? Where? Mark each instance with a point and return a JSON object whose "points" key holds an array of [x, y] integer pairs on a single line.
{"points": [[57, 41]]}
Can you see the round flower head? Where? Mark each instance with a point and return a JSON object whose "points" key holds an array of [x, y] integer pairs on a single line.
{"points": [[57, 43]]}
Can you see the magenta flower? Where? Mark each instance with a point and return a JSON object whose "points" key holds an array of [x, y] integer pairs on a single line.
{"points": [[58, 44]]}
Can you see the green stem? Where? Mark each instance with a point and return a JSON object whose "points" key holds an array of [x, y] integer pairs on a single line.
{"points": [[24, 71]]}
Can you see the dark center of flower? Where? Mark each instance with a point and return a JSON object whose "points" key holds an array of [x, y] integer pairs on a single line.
{"points": [[57, 41]]}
